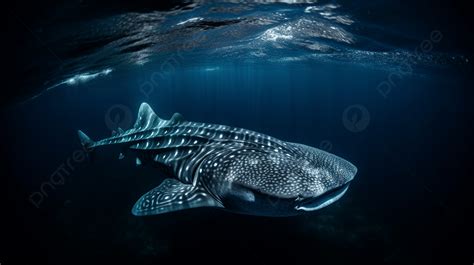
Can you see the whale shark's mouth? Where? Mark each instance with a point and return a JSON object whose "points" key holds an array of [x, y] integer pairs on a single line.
{"points": [[312, 204]]}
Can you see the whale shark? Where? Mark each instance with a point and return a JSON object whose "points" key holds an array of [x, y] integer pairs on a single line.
{"points": [[235, 169]]}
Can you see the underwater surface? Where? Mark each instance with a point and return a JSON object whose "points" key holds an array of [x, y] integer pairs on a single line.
{"points": [[383, 85]]}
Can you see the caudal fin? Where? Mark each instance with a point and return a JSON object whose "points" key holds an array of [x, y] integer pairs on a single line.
{"points": [[86, 142]]}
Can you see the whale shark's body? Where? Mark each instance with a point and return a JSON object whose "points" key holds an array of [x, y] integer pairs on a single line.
{"points": [[225, 167]]}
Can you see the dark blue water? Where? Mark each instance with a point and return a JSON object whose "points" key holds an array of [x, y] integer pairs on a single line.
{"points": [[395, 104]]}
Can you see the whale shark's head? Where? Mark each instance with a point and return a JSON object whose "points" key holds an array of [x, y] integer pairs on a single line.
{"points": [[288, 183], [326, 178]]}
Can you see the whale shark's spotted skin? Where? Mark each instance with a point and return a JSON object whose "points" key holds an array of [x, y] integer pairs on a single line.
{"points": [[226, 167]]}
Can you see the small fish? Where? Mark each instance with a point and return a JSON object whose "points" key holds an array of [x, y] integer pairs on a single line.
{"points": [[235, 169]]}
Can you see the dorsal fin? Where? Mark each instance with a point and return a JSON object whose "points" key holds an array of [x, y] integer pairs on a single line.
{"points": [[176, 118], [146, 117]]}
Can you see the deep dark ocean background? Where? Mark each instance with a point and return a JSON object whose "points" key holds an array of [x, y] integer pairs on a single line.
{"points": [[410, 202]]}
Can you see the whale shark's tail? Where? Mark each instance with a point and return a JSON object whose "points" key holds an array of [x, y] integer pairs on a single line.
{"points": [[87, 143]]}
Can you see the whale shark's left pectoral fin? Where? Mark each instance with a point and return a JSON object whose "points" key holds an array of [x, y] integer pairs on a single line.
{"points": [[170, 196]]}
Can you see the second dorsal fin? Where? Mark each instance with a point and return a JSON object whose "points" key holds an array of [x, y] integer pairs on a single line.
{"points": [[176, 118]]}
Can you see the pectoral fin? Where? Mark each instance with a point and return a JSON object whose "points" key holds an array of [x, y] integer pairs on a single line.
{"points": [[170, 196]]}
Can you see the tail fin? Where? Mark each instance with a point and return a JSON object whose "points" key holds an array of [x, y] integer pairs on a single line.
{"points": [[86, 142]]}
